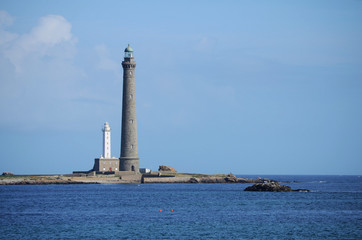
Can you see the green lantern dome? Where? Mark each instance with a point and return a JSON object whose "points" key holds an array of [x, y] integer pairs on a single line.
{"points": [[128, 49]]}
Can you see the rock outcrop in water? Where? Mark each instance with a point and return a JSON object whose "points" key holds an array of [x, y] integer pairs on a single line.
{"points": [[268, 187], [272, 186]]}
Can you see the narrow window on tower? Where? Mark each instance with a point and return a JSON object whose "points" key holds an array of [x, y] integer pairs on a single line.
{"points": [[132, 146], [130, 96]]}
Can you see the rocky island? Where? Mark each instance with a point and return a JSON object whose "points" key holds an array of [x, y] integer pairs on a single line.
{"points": [[109, 179], [165, 174]]}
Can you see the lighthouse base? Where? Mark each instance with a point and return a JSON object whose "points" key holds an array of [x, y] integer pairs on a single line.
{"points": [[106, 165], [129, 164]]}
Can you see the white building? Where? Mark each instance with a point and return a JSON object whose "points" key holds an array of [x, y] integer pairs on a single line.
{"points": [[106, 163]]}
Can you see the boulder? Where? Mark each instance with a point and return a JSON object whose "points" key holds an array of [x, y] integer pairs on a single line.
{"points": [[230, 178], [164, 168], [268, 187], [194, 180], [8, 174]]}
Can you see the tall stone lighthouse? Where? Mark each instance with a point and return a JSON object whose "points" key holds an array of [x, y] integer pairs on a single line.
{"points": [[129, 160]]}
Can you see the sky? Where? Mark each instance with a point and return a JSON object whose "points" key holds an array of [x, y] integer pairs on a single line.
{"points": [[248, 87]]}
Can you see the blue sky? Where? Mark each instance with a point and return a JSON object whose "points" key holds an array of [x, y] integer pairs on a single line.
{"points": [[249, 87]]}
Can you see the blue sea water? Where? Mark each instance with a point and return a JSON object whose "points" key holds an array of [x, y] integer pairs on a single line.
{"points": [[333, 210]]}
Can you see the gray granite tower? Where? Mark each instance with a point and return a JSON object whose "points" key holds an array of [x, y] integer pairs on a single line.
{"points": [[129, 160]]}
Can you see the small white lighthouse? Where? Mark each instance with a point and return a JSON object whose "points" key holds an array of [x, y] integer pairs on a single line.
{"points": [[106, 163], [106, 141]]}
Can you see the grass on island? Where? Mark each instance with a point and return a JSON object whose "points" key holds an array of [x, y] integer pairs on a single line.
{"points": [[13, 176], [195, 175], [30, 177]]}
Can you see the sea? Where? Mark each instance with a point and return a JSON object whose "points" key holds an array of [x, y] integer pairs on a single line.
{"points": [[331, 210]]}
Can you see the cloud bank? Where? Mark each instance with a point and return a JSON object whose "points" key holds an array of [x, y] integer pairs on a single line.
{"points": [[38, 77], [51, 37]]}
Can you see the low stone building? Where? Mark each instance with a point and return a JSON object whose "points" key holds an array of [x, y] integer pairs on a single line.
{"points": [[106, 165]]}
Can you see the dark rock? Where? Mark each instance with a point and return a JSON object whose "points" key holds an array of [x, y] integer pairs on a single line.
{"points": [[268, 187], [301, 190], [8, 174], [193, 180], [164, 168]]}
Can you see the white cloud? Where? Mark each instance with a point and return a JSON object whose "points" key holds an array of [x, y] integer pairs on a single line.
{"points": [[52, 29], [38, 78], [43, 84], [52, 32]]}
